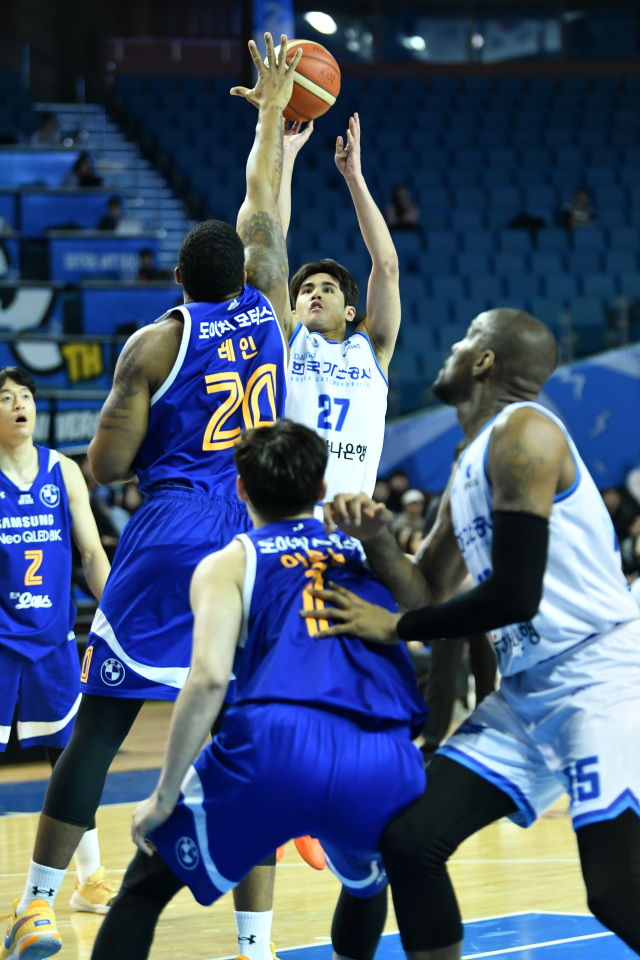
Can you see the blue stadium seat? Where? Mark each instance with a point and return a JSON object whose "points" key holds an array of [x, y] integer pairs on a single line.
{"points": [[473, 264], [624, 238], [427, 179], [161, 84], [612, 217], [442, 241], [459, 179], [405, 364], [552, 240], [419, 337], [610, 197], [193, 86], [465, 310], [490, 138], [542, 85], [588, 238], [527, 138], [508, 198], [599, 177], [571, 157], [467, 220], [523, 285], [630, 284], [434, 219], [540, 198], [472, 157], [477, 85], [505, 158], [514, 241], [478, 241], [573, 83], [488, 287], [507, 84], [444, 85], [590, 337], [531, 177], [630, 176], [547, 309], [601, 285], [589, 137], [546, 264], [434, 264], [536, 157], [454, 332], [587, 311], [412, 290], [497, 177], [510, 264], [435, 199], [408, 243], [412, 88], [561, 287], [447, 288], [621, 261], [584, 261], [605, 84], [601, 156], [470, 198], [435, 310], [557, 137]]}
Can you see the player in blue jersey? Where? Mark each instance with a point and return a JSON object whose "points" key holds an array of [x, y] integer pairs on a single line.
{"points": [[318, 740], [43, 503], [184, 389]]}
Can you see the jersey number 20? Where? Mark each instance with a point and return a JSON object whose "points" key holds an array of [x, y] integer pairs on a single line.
{"points": [[225, 426]]}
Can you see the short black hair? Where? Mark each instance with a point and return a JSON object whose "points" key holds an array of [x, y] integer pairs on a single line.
{"points": [[282, 468], [211, 261], [113, 200], [19, 376], [346, 282]]}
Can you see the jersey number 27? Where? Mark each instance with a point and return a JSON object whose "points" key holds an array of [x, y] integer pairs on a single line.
{"points": [[324, 403]]}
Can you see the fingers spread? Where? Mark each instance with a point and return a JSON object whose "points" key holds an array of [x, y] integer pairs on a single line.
{"points": [[257, 59], [282, 53], [271, 51], [296, 59]]}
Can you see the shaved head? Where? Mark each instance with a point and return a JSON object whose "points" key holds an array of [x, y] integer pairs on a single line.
{"points": [[526, 351], [525, 354]]}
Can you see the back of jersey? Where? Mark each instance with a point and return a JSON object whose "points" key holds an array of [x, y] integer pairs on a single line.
{"points": [[280, 659], [229, 376]]}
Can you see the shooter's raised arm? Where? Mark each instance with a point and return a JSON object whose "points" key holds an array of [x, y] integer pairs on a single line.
{"points": [[259, 223]]}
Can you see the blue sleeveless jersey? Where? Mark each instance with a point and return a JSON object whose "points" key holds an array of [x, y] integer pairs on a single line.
{"points": [[36, 610], [279, 658], [229, 376]]}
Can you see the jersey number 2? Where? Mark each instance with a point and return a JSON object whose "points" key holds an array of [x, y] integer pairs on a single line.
{"points": [[30, 579], [324, 403], [220, 434]]}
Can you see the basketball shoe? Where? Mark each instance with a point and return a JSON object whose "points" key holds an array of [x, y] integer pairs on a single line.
{"points": [[311, 852], [95, 895], [32, 935], [241, 956]]}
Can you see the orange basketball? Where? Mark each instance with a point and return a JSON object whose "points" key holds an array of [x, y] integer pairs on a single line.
{"points": [[316, 81]]}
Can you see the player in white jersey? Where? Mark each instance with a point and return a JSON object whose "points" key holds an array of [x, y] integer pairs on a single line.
{"points": [[524, 515], [339, 386]]}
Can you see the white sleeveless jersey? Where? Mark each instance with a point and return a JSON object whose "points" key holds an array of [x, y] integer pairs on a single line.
{"points": [[339, 390], [584, 591]]}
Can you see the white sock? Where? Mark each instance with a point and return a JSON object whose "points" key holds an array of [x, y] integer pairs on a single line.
{"points": [[254, 934], [88, 855], [43, 883]]}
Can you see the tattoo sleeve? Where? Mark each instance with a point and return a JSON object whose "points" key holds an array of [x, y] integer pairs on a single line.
{"points": [[266, 262], [125, 386]]}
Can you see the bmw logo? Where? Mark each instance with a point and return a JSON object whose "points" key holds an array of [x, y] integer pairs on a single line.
{"points": [[187, 853], [112, 672], [50, 495]]}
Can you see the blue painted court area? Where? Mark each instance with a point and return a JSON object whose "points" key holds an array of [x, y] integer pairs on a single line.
{"points": [[524, 936], [27, 797]]}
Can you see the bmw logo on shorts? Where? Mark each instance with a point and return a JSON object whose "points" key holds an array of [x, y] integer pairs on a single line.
{"points": [[187, 853], [112, 672], [50, 495]]}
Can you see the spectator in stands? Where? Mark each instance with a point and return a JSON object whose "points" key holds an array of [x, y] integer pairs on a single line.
{"points": [[148, 270], [622, 507], [402, 213], [411, 518], [111, 220], [382, 490], [82, 173], [632, 484], [399, 483], [48, 134], [578, 213]]}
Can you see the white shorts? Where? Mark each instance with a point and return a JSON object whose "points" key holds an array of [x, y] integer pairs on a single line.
{"points": [[570, 724]]}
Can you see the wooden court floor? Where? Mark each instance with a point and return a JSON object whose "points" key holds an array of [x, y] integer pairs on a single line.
{"points": [[501, 870]]}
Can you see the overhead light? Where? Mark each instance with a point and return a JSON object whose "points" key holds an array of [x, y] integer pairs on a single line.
{"points": [[414, 43], [477, 41], [321, 22]]}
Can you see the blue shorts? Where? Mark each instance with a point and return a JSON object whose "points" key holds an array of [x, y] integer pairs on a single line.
{"points": [[278, 771], [47, 694], [141, 636]]}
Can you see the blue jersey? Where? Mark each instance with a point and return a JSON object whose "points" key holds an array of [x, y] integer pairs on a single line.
{"points": [[36, 610], [229, 376], [280, 660]]}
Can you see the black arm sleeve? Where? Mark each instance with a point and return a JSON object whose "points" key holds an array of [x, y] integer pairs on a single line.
{"points": [[511, 594]]}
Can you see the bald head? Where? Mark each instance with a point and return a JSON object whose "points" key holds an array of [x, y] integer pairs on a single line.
{"points": [[526, 352]]}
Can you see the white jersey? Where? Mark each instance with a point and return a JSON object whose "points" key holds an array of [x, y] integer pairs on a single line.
{"points": [[339, 390], [584, 592]]}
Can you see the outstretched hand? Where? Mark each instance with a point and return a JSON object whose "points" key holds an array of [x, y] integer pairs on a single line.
{"points": [[275, 77], [357, 515], [348, 157], [295, 137], [353, 616]]}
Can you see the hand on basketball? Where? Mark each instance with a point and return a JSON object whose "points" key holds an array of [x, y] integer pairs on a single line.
{"points": [[353, 616], [348, 157], [275, 77], [358, 515], [147, 816], [295, 138]]}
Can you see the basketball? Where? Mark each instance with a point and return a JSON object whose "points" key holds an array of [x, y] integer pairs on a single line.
{"points": [[316, 81]]}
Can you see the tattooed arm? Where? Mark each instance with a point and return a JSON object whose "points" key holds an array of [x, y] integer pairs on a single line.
{"points": [[144, 364], [259, 223]]}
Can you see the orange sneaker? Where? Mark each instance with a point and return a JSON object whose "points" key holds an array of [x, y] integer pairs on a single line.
{"points": [[279, 855], [311, 852]]}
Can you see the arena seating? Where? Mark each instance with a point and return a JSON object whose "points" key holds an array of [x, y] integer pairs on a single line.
{"points": [[475, 155]]}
